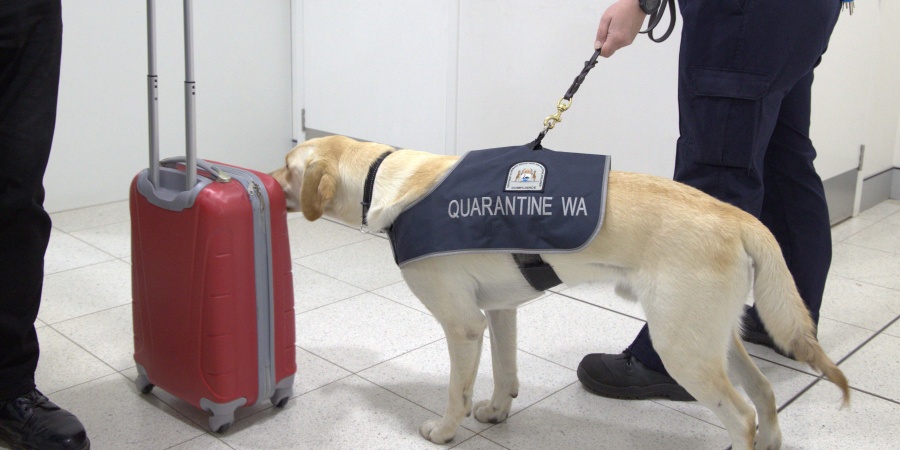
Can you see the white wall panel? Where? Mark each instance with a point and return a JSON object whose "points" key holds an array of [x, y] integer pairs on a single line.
{"points": [[843, 94], [385, 71], [243, 75], [378, 70], [518, 57]]}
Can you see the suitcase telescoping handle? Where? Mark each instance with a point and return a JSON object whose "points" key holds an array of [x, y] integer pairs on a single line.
{"points": [[189, 95]]}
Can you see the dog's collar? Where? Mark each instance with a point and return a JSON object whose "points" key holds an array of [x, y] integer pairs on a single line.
{"points": [[369, 187]]}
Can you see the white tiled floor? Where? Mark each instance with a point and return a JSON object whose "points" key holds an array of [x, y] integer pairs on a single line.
{"points": [[373, 363]]}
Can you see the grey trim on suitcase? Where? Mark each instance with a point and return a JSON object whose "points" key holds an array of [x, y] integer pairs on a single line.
{"points": [[222, 413], [170, 193], [265, 292]]}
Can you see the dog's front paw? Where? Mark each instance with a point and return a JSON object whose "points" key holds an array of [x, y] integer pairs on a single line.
{"points": [[771, 442], [487, 412], [433, 431]]}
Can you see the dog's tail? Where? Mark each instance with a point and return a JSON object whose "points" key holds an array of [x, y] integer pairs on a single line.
{"points": [[780, 307]]}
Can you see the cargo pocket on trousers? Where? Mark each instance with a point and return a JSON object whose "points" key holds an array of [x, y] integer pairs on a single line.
{"points": [[725, 111]]}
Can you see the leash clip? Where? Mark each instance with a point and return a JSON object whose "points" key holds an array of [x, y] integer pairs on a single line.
{"points": [[553, 119]]}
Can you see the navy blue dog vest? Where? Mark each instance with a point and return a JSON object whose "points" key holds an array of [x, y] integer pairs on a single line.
{"points": [[506, 200]]}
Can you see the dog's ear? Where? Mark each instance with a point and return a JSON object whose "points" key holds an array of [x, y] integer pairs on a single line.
{"points": [[317, 189]]}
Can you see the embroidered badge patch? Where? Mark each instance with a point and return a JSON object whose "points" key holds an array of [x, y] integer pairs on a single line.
{"points": [[526, 176]]}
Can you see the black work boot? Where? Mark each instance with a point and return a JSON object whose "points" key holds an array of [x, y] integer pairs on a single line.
{"points": [[623, 376], [34, 422]]}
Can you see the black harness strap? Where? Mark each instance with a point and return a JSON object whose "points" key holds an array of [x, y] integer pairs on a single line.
{"points": [[538, 273], [370, 186]]}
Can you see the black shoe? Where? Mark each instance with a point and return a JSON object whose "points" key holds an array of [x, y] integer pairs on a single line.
{"points": [[34, 422], [755, 333], [623, 376]]}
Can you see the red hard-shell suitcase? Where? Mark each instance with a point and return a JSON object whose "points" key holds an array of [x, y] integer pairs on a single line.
{"points": [[212, 290]]}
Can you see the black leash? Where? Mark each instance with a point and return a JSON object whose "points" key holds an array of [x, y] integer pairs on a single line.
{"points": [[369, 187], [565, 102], [656, 17], [534, 269]]}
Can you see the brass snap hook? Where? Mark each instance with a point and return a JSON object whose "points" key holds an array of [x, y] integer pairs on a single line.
{"points": [[561, 107]]}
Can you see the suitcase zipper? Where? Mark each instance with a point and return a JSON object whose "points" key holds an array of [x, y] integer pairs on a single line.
{"points": [[265, 316], [254, 189]]}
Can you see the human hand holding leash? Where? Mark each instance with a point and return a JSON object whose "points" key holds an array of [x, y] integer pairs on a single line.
{"points": [[619, 25]]}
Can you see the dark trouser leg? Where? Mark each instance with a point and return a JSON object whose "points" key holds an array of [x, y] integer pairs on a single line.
{"points": [[30, 49], [794, 206], [743, 93]]}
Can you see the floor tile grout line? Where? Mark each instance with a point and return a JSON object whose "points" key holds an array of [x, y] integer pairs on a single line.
{"points": [[391, 358], [875, 395], [49, 393], [86, 351], [483, 437], [525, 409], [296, 259], [398, 394], [833, 275], [361, 294], [125, 200], [203, 428], [92, 227], [869, 339], [324, 274], [870, 248], [84, 315], [86, 265], [657, 401], [342, 300], [187, 420], [93, 246], [403, 304], [546, 360], [271, 407], [601, 307], [198, 437], [838, 363]]}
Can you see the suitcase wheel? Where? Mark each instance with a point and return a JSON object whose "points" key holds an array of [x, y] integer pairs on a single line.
{"points": [[221, 423], [144, 386], [281, 396]]}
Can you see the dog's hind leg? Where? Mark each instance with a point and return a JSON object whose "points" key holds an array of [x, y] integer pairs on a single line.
{"points": [[506, 382], [760, 391], [707, 380], [464, 328], [691, 329]]}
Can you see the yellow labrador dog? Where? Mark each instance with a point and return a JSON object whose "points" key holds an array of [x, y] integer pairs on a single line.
{"points": [[688, 258]]}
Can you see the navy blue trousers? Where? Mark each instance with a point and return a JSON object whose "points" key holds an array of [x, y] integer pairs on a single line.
{"points": [[30, 51], [744, 81]]}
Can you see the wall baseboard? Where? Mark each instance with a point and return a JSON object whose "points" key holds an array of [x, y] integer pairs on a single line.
{"points": [[840, 194], [895, 184], [840, 191], [876, 189]]}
